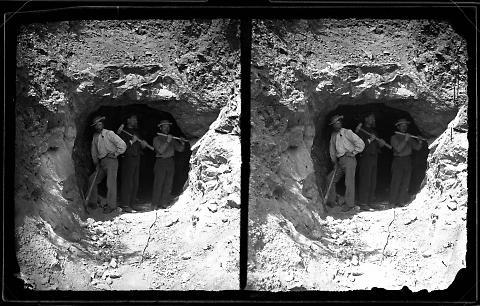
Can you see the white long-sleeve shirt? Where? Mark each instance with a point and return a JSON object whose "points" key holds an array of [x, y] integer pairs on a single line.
{"points": [[107, 142], [345, 141]]}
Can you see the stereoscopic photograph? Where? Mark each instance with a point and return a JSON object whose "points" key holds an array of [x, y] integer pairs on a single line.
{"points": [[127, 154], [358, 155]]}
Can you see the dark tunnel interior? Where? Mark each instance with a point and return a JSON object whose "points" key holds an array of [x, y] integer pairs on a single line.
{"points": [[385, 118], [148, 118]]}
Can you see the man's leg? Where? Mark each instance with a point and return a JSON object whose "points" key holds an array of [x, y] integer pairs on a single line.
{"points": [[350, 164], [373, 180], [94, 193], [168, 181], [111, 165], [364, 174], [127, 178], [156, 190], [135, 179], [405, 182], [160, 176], [396, 180]]}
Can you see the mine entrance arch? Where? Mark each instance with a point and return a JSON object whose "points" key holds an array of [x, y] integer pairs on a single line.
{"points": [[148, 118], [385, 117]]}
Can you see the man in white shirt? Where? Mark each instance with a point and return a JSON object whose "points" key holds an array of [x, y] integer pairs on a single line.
{"points": [[344, 145], [106, 146]]}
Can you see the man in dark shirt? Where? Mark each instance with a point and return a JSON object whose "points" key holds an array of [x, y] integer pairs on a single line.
{"points": [[367, 163], [402, 163], [130, 163]]}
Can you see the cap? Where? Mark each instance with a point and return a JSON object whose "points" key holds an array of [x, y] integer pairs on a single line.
{"points": [[97, 119], [335, 119], [402, 121], [164, 122]]}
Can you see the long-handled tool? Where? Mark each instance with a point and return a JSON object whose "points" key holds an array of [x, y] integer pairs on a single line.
{"points": [[120, 130], [375, 137], [91, 187], [174, 137], [329, 186], [413, 136]]}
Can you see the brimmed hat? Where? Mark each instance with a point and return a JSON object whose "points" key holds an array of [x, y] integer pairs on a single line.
{"points": [[164, 122], [335, 119], [401, 121], [97, 119]]}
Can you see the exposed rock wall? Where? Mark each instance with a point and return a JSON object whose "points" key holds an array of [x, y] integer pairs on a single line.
{"points": [[302, 70], [66, 71]]}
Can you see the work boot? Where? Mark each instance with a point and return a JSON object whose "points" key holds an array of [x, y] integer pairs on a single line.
{"points": [[331, 204], [128, 209], [108, 210], [365, 207]]}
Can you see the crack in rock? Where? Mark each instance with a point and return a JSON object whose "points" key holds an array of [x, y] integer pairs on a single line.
{"points": [[388, 236]]}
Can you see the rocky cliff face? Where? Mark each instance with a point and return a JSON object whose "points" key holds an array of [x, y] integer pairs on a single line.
{"points": [[69, 71], [303, 71]]}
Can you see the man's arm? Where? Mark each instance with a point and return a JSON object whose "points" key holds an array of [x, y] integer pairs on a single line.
{"points": [[416, 144], [178, 145], [332, 150], [94, 151], [120, 145], [127, 139], [357, 142], [159, 144], [398, 144]]}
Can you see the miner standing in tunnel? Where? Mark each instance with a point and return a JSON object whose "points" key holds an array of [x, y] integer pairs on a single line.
{"points": [[130, 162], [165, 146], [106, 147], [403, 146], [367, 162], [344, 145]]}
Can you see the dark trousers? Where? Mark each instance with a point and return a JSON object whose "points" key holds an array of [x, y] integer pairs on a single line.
{"points": [[107, 166], [164, 170], [367, 172], [130, 175], [346, 166], [401, 173]]}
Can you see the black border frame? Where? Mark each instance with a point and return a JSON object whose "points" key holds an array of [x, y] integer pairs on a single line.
{"points": [[463, 17]]}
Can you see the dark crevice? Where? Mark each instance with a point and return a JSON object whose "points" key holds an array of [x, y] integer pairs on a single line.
{"points": [[385, 125], [148, 118]]}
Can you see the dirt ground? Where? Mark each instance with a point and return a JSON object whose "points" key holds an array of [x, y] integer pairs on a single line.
{"points": [[150, 250], [361, 250]]}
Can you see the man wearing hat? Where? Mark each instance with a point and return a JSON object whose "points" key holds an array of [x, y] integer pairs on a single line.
{"points": [[164, 169], [403, 146], [130, 168], [344, 145], [367, 162], [106, 146]]}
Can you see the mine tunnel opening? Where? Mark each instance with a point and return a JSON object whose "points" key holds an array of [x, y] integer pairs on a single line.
{"points": [[148, 119], [385, 119]]}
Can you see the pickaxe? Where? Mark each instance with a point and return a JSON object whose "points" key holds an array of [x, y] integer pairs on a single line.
{"points": [[174, 137], [120, 130], [417, 137], [375, 137]]}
